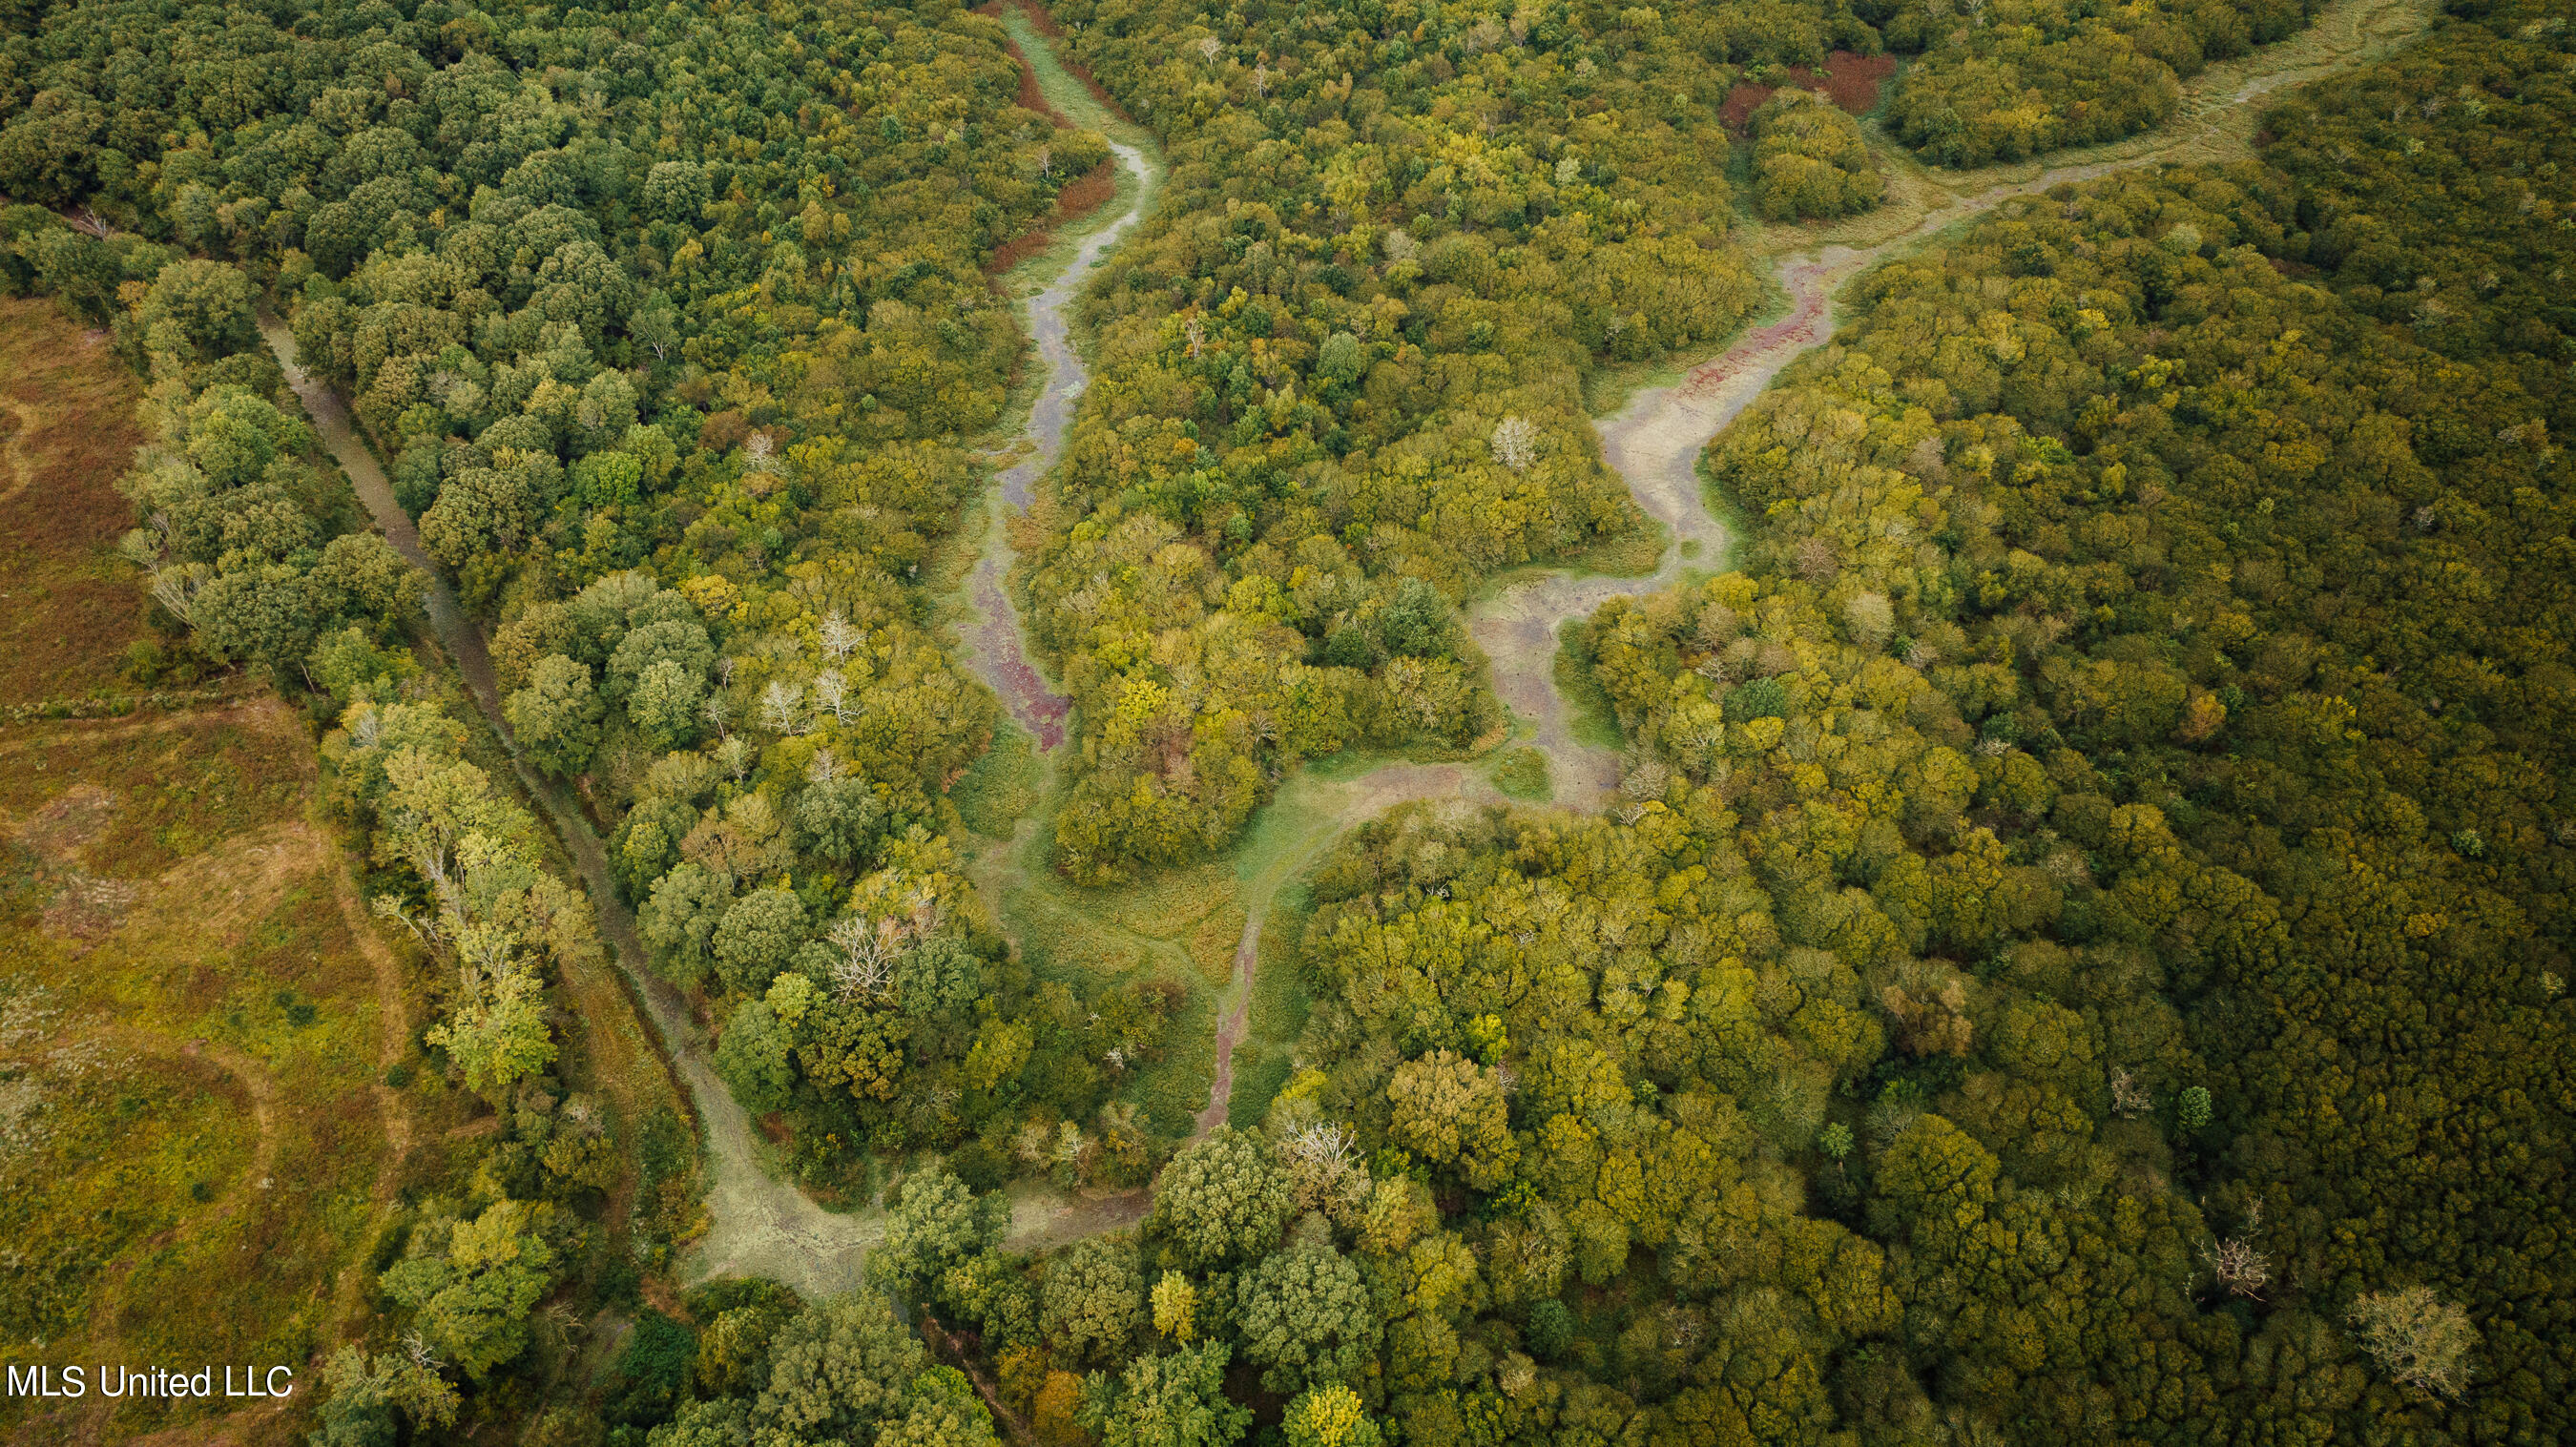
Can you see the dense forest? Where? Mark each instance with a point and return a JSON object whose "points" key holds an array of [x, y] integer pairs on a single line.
{"points": [[1341, 370], [1340, 384], [669, 324], [2079, 952]]}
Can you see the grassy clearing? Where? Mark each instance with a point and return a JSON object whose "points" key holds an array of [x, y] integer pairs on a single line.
{"points": [[1607, 388], [998, 788], [196, 1142], [1522, 774], [1635, 553], [1158, 931], [1182, 926], [1070, 935], [1588, 711]]}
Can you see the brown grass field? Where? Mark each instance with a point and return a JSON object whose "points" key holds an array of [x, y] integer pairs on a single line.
{"points": [[1848, 80], [68, 603]]}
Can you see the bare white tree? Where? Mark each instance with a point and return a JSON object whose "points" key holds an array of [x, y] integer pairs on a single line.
{"points": [[1317, 1155], [1515, 443], [782, 707], [866, 967], [176, 588], [838, 636], [2239, 1267], [561, 1321], [716, 713], [1209, 47], [822, 768], [388, 906], [832, 694]]}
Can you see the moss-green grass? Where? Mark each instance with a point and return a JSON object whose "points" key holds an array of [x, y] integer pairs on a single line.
{"points": [[1522, 774], [1280, 1005], [192, 1037], [1000, 787], [1136, 933], [170, 911], [1590, 717]]}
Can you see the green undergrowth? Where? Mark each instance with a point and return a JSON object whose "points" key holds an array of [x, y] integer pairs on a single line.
{"points": [[1522, 774], [1157, 931], [1062, 89], [1589, 715]]}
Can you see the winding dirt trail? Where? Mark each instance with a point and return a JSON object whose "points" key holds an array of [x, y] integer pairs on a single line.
{"points": [[759, 1224], [108, 1308]]}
